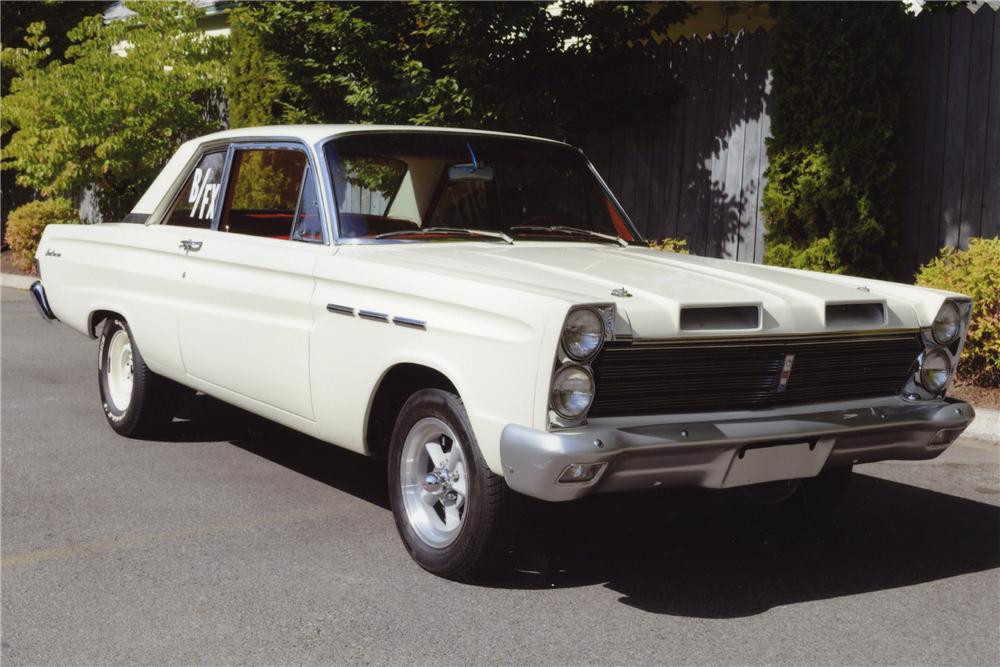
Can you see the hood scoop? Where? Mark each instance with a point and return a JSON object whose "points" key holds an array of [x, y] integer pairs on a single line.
{"points": [[720, 318], [851, 315]]}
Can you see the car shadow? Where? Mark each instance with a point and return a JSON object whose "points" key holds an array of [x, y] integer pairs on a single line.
{"points": [[688, 552], [205, 419], [702, 554]]}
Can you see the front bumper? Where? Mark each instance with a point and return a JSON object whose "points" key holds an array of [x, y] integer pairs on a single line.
{"points": [[41, 300], [722, 450]]}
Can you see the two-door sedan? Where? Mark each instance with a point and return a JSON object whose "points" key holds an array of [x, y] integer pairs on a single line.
{"points": [[478, 309]]}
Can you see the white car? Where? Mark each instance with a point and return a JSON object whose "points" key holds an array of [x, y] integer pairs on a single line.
{"points": [[478, 309]]}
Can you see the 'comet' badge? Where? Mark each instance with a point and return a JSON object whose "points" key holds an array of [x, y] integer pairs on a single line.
{"points": [[786, 371]]}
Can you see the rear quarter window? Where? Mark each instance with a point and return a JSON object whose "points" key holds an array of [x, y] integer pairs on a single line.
{"points": [[196, 203]]}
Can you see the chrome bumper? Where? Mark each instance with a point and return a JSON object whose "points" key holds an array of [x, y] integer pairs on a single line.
{"points": [[41, 301], [722, 450]]}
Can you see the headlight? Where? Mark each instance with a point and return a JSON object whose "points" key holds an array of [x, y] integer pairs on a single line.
{"points": [[935, 370], [583, 334], [572, 391], [947, 324]]}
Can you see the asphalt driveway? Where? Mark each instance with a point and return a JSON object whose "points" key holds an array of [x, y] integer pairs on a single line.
{"points": [[231, 541]]}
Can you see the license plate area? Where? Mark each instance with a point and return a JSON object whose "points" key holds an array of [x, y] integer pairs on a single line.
{"points": [[770, 462]]}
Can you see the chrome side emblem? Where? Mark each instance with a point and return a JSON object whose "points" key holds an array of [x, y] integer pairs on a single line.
{"points": [[52, 253], [786, 371], [864, 288], [620, 291]]}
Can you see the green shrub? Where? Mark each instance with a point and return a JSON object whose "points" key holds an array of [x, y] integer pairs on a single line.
{"points": [[114, 109], [975, 272], [669, 245], [26, 223], [836, 122]]}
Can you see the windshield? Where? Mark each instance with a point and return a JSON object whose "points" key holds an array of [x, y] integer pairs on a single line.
{"points": [[435, 186]]}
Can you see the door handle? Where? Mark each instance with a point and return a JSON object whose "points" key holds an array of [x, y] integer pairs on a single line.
{"points": [[190, 245]]}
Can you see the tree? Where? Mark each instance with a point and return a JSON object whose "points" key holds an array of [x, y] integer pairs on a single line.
{"points": [[112, 112], [543, 68], [16, 17]]}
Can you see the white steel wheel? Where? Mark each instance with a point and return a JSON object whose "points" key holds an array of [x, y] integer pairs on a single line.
{"points": [[120, 369], [136, 401], [434, 482]]}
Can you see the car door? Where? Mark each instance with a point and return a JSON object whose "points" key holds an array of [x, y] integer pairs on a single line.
{"points": [[146, 266], [245, 329]]}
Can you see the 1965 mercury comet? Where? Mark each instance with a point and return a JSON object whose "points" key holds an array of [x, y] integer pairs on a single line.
{"points": [[478, 309]]}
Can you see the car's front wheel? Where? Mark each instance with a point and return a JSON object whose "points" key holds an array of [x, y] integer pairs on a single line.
{"points": [[819, 496], [450, 509], [136, 401]]}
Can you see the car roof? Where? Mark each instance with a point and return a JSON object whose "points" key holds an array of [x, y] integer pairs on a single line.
{"points": [[309, 134], [312, 134]]}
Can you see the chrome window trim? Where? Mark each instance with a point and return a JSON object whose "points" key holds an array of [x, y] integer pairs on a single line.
{"points": [[319, 173], [273, 144], [638, 239], [159, 214], [223, 187], [335, 213]]}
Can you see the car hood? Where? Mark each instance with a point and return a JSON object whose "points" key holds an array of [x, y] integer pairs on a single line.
{"points": [[660, 294]]}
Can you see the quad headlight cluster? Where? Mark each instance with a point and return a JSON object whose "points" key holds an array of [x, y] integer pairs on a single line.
{"points": [[584, 333], [936, 364]]}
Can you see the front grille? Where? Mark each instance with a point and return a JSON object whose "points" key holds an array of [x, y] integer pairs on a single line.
{"points": [[708, 376]]}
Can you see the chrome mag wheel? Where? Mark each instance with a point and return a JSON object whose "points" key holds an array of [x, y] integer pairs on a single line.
{"points": [[434, 482]]}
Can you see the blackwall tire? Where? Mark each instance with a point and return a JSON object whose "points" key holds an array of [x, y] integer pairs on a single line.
{"points": [[136, 401], [437, 477]]}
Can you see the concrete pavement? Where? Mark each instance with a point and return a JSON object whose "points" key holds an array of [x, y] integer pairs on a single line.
{"points": [[230, 541]]}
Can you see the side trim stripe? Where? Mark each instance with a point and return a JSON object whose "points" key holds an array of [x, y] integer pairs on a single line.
{"points": [[372, 315], [410, 323], [340, 310]]}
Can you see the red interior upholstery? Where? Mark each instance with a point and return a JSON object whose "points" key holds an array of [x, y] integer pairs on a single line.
{"points": [[276, 224]]}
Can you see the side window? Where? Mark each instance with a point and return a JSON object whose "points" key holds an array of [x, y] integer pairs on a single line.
{"points": [[195, 203], [264, 192]]}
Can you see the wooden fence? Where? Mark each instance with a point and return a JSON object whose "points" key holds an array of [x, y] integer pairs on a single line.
{"points": [[951, 172], [699, 173]]}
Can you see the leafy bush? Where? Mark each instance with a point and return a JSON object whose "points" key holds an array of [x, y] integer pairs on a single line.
{"points": [[836, 123], [116, 106], [670, 245], [975, 272], [26, 223]]}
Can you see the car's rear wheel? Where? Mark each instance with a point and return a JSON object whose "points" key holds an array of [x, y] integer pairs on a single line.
{"points": [[136, 401], [450, 509]]}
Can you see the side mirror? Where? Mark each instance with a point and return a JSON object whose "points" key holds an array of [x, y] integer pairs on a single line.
{"points": [[470, 172]]}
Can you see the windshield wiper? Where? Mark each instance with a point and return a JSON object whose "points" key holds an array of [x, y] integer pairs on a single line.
{"points": [[570, 230], [457, 231]]}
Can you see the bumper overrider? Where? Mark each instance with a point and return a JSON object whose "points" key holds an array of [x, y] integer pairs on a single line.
{"points": [[723, 450], [41, 300]]}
